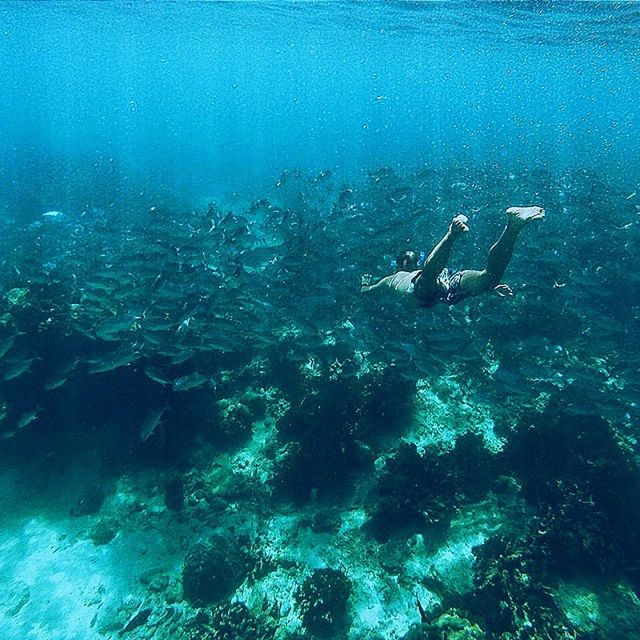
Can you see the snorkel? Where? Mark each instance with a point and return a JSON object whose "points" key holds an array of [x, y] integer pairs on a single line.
{"points": [[409, 261]]}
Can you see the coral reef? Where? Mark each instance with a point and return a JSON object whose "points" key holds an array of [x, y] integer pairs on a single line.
{"points": [[320, 449], [448, 626], [357, 454], [414, 491]]}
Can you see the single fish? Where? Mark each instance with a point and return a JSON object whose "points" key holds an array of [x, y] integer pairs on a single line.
{"points": [[17, 369], [5, 346], [181, 356], [154, 340], [69, 365], [27, 418], [151, 423], [136, 620], [105, 287], [156, 375], [191, 381], [112, 328], [113, 361], [55, 383]]}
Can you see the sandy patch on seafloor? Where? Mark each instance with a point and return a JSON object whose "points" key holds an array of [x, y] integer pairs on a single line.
{"points": [[55, 584]]}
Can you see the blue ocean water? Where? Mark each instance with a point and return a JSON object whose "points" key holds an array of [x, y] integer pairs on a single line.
{"points": [[208, 430], [223, 95]]}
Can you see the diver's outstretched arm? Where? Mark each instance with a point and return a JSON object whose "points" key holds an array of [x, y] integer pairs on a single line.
{"points": [[427, 284], [366, 280], [365, 286]]}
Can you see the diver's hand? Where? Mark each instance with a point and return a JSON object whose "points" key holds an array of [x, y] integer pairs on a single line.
{"points": [[365, 282], [503, 290]]}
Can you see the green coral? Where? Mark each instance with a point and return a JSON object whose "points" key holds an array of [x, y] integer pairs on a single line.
{"points": [[231, 621], [17, 297]]}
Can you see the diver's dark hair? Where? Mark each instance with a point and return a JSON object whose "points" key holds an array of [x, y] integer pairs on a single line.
{"points": [[408, 258]]}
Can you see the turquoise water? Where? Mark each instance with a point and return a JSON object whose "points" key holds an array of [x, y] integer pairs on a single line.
{"points": [[224, 95], [208, 431]]}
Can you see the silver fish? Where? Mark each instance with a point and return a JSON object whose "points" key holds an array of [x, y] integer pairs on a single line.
{"points": [[191, 381], [151, 423]]}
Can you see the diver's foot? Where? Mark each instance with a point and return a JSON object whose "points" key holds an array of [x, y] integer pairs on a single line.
{"points": [[459, 224], [522, 215]]}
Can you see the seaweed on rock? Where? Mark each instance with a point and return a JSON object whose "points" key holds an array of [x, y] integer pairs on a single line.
{"points": [[322, 599], [230, 621]]}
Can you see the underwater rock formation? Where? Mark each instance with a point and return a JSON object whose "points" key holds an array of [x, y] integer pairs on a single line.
{"points": [[235, 420], [415, 491], [174, 493], [212, 570], [90, 502], [320, 450]]}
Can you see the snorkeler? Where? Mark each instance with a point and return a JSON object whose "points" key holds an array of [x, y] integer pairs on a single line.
{"points": [[433, 283]]}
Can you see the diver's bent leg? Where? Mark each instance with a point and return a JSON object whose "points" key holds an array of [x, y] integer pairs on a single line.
{"points": [[476, 282], [426, 286], [473, 283], [501, 252]]}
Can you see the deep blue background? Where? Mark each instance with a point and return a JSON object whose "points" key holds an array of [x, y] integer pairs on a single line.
{"points": [[205, 97]]}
